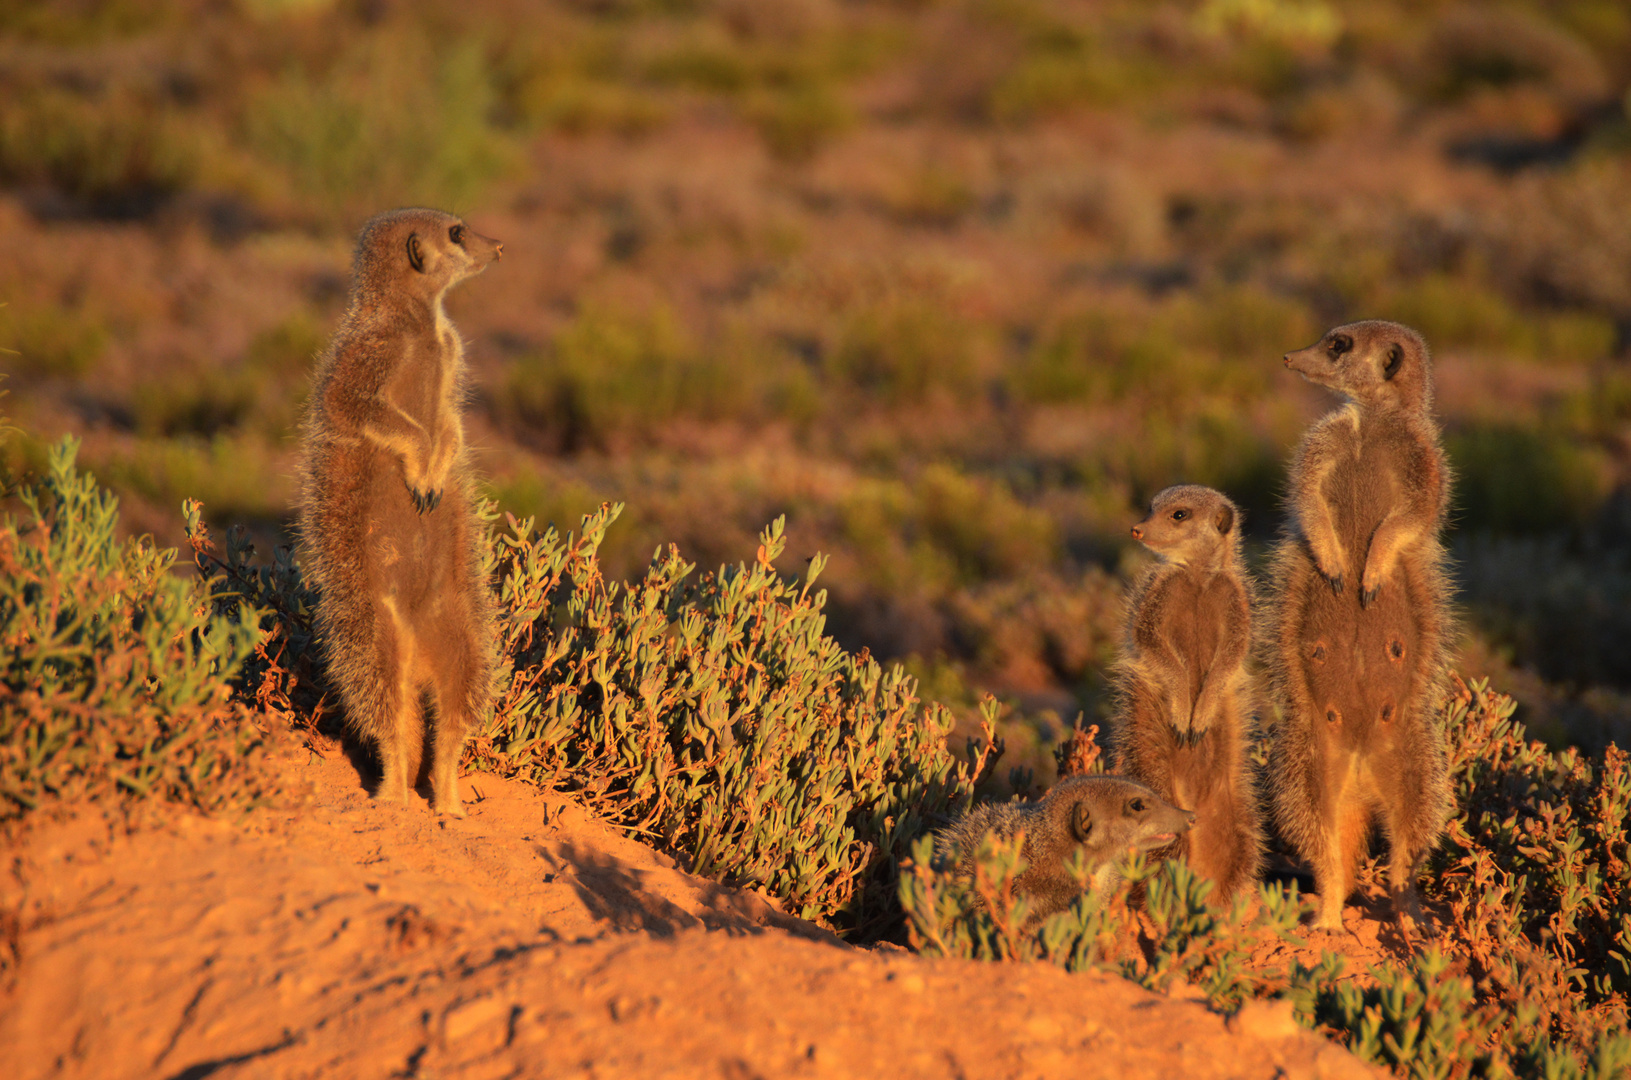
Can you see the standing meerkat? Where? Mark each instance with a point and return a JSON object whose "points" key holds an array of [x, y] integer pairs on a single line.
{"points": [[1361, 623], [1100, 816], [1185, 695], [387, 515]]}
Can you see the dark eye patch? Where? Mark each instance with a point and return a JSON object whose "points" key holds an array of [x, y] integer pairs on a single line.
{"points": [[1339, 344]]}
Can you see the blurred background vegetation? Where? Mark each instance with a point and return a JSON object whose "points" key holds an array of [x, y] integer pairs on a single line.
{"points": [[956, 285]]}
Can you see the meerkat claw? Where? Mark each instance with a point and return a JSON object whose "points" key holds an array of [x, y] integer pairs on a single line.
{"points": [[1368, 596], [1336, 584], [425, 501]]}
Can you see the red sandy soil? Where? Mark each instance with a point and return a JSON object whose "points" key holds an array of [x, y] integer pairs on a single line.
{"points": [[335, 936]]}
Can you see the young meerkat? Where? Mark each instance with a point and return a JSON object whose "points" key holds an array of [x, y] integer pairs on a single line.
{"points": [[387, 517], [1359, 672], [1099, 816], [1185, 695]]}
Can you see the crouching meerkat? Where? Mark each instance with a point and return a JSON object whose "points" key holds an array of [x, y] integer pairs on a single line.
{"points": [[1100, 816], [1185, 697], [387, 516], [1361, 622]]}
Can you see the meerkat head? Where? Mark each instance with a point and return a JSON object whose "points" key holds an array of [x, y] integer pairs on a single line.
{"points": [[1191, 525], [1375, 363], [1106, 814], [421, 252]]}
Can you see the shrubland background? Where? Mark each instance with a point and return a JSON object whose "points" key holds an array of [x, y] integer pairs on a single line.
{"points": [[954, 285]]}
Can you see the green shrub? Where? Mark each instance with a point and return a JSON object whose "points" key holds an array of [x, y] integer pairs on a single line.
{"points": [[1246, 327], [81, 24], [235, 475], [943, 528], [48, 340], [1193, 940], [714, 716], [375, 131], [1520, 480], [1535, 869], [266, 387], [1455, 313], [115, 677], [1530, 977], [1566, 616], [107, 150], [612, 375], [565, 76], [718, 717], [906, 349], [1223, 342]]}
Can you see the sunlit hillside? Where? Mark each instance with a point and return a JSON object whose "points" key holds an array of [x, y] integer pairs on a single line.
{"points": [[955, 285]]}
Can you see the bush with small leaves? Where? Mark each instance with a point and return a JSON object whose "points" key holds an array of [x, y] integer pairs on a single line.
{"points": [[711, 715], [1528, 978], [115, 675], [717, 717]]}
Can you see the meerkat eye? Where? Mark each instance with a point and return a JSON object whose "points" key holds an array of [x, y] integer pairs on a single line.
{"points": [[1180, 515], [456, 234], [1136, 805], [1340, 344]]}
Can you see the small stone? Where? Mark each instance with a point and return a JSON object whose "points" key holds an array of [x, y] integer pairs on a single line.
{"points": [[1335, 1063], [469, 1017], [1267, 1020]]}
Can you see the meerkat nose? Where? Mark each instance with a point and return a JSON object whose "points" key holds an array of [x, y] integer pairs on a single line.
{"points": [[1138, 534], [1287, 359], [498, 251]]}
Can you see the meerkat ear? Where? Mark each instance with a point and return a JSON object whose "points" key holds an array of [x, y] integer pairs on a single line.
{"points": [[1395, 357], [1225, 519], [1081, 822], [416, 258]]}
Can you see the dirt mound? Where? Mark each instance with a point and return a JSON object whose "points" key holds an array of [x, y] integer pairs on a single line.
{"points": [[347, 938]]}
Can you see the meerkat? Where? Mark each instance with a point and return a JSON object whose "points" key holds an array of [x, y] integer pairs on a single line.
{"points": [[1100, 816], [387, 517], [1359, 669], [1185, 695]]}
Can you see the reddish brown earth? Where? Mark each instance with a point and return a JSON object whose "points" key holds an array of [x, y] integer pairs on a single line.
{"points": [[339, 937]]}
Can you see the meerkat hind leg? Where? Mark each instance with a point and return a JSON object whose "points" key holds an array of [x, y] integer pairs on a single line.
{"points": [[454, 671], [1403, 857], [1335, 866], [400, 745], [400, 732]]}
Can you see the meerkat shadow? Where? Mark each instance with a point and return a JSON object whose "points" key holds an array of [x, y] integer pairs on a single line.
{"points": [[1284, 877]]}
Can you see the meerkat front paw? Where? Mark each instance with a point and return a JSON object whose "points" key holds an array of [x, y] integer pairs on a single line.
{"points": [[1370, 584], [1333, 569], [425, 501]]}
